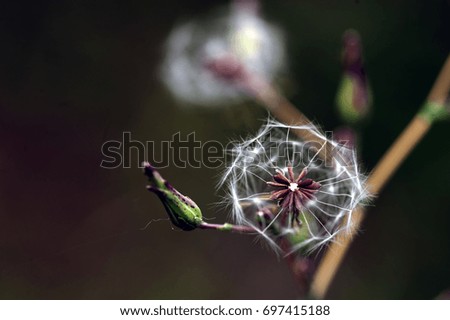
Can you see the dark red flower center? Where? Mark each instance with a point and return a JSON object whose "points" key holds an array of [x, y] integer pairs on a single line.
{"points": [[293, 193]]}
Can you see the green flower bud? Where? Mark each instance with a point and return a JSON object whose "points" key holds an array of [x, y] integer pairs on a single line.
{"points": [[354, 96], [353, 99], [183, 212]]}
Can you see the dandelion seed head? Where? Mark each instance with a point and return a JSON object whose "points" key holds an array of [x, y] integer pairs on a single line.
{"points": [[242, 39], [340, 185]]}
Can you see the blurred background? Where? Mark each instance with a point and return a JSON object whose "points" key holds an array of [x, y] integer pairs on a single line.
{"points": [[74, 74]]}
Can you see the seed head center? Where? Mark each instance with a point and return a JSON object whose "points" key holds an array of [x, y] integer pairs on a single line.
{"points": [[293, 186]]}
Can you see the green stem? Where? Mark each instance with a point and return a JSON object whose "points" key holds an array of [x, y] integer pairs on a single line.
{"points": [[227, 227]]}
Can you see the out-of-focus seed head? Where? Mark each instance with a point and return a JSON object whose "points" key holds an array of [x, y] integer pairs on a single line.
{"points": [[207, 62]]}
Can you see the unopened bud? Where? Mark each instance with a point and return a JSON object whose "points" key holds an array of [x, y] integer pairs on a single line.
{"points": [[183, 212], [354, 96]]}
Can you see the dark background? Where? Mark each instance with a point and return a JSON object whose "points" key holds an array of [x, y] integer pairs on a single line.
{"points": [[74, 74]]}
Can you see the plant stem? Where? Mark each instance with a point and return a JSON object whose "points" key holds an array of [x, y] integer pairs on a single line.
{"points": [[382, 172], [227, 227], [301, 268]]}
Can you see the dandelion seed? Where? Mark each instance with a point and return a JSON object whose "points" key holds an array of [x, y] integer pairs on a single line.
{"points": [[308, 198]]}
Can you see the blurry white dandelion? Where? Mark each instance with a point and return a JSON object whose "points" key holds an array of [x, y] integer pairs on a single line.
{"points": [[304, 193], [202, 58]]}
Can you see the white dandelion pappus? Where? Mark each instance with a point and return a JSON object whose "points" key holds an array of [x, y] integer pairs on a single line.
{"points": [[337, 186], [242, 37]]}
